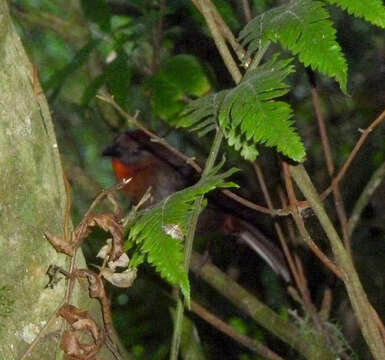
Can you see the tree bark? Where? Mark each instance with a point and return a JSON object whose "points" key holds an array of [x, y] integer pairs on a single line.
{"points": [[32, 201]]}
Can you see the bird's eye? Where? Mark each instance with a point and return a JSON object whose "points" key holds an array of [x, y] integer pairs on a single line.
{"points": [[136, 151]]}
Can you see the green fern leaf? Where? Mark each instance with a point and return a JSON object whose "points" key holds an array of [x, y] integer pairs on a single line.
{"points": [[304, 28], [160, 249], [201, 115], [248, 114], [372, 11]]}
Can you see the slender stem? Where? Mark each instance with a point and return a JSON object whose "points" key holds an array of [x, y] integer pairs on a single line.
{"points": [[35, 341], [305, 341], [224, 29], [259, 55], [246, 10], [358, 298], [374, 182], [338, 201], [220, 42], [177, 333], [251, 344], [232, 67], [356, 149]]}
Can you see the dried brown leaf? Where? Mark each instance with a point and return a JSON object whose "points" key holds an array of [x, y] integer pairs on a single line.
{"points": [[60, 244], [81, 323], [123, 279], [109, 223]]}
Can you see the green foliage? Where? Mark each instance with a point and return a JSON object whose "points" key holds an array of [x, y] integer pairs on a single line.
{"points": [[57, 80], [249, 115], [178, 77], [98, 12], [372, 11], [304, 28], [159, 248]]}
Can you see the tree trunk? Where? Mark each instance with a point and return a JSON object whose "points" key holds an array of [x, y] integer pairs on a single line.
{"points": [[32, 201]]}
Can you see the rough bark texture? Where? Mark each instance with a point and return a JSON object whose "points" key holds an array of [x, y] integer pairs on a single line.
{"points": [[32, 201]]}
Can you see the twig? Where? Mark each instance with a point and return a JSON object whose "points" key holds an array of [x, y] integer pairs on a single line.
{"points": [[253, 345], [224, 29], [40, 335], [356, 149], [190, 161], [231, 66], [341, 173], [303, 341], [358, 298], [302, 285], [304, 233], [134, 121], [157, 38], [338, 201], [366, 194], [246, 10], [277, 226]]}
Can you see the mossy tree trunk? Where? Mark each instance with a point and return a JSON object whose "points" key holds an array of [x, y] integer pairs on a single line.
{"points": [[32, 201]]}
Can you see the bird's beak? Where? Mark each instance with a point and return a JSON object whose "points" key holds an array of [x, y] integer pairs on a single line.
{"points": [[111, 151]]}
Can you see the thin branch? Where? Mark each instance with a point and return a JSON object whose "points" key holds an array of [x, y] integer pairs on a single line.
{"points": [[374, 182], [220, 43], [304, 233], [190, 161], [40, 335], [224, 29], [246, 10], [310, 346], [302, 286], [358, 298], [338, 201], [356, 149], [253, 345], [277, 226], [157, 38], [341, 173]]}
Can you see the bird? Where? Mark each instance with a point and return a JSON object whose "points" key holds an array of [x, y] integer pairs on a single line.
{"points": [[149, 164]]}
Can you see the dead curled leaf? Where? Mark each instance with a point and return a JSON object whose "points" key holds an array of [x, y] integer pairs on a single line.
{"points": [[123, 279], [80, 323], [108, 222], [60, 244], [96, 287], [97, 291], [104, 253]]}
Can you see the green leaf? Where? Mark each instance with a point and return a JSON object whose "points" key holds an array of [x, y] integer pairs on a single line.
{"points": [[180, 76], [372, 11], [304, 28], [249, 115], [160, 249]]}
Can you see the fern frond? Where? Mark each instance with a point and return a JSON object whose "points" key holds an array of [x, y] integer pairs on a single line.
{"points": [[372, 11], [201, 115], [248, 114], [161, 250], [304, 28]]}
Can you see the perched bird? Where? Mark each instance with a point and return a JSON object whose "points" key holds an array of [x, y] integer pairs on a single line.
{"points": [[150, 164]]}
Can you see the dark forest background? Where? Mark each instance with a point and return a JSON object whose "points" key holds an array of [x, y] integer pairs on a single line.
{"points": [[82, 48]]}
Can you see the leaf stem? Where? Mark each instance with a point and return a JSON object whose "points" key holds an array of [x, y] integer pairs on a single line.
{"points": [[177, 333], [358, 298]]}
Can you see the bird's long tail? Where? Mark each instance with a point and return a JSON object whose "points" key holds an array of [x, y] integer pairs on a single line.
{"points": [[259, 243]]}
